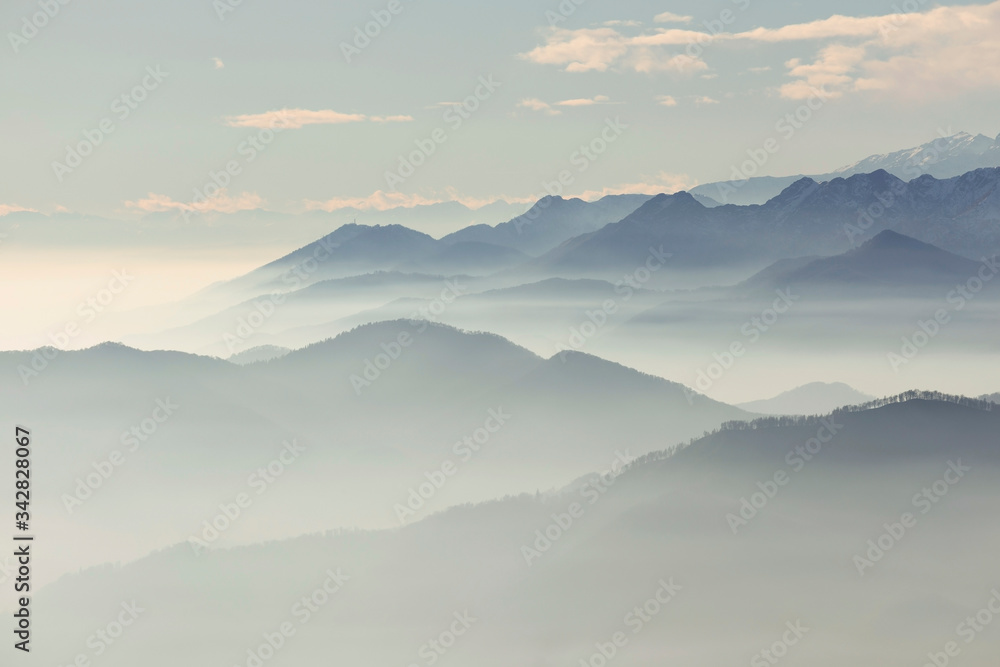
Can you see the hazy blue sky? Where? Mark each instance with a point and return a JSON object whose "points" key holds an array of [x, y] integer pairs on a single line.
{"points": [[893, 82]]}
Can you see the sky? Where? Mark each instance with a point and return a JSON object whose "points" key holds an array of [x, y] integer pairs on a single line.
{"points": [[121, 109]]}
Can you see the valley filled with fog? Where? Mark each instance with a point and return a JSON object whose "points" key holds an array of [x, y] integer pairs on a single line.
{"points": [[565, 432]]}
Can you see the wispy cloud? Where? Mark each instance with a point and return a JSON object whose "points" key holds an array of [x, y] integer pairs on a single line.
{"points": [[7, 209], [702, 100], [535, 104], [297, 118], [382, 201], [218, 63], [670, 17], [601, 49], [391, 119], [585, 101], [666, 100], [919, 54], [221, 203], [662, 182], [945, 51]]}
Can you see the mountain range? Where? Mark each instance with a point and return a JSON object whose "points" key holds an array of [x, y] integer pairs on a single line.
{"points": [[547, 314], [563, 417], [551, 221], [815, 398], [676, 550], [888, 263], [943, 158], [808, 218]]}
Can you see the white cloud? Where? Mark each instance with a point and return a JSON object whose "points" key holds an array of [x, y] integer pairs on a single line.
{"points": [[585, 101], [391, 119], [833, 71], [666, 100], [221, 203], [600, 49], [627, 24], [536, 104], [917, 55], [948, 51], [704, 99], [218, 63], [670, 17], [664, 182], [7, 209], [297, 118], [381, 201], [914, 56]]}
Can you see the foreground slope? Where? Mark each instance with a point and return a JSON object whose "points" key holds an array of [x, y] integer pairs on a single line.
{"points": [[873, 550], [375, 417]]}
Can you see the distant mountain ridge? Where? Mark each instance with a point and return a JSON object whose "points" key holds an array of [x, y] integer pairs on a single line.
{"points": [[960, 215], [889, 260], [353, 250], [551, 221], [816, 398], [335, 397], [943, 158]]}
